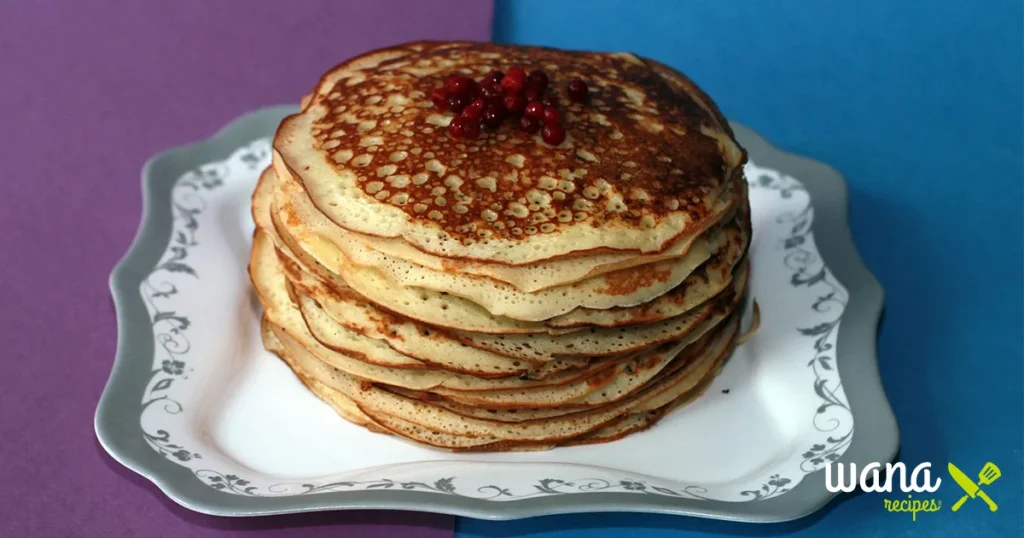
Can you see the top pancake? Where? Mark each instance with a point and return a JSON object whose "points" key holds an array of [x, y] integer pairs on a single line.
{"points": [[642, 166]]}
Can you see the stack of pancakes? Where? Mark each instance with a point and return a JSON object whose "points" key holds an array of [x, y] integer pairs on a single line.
{"points": [[501, 293]]}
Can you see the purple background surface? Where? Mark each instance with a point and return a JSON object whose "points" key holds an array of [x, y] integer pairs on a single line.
{"points": [[88, 92]]}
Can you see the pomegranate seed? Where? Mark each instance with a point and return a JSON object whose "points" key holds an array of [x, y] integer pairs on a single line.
{"points": [[471, 129], [550, 99], [495, 77], [553, 133], [439, 96], [474, 110], [492, 94], [550, 115], [537, 79], [535, 109], [458, 84], [514, 80], [515, 103], [456, 103], [577, 90], [456, 126], [493, 116], [532, 94], [474, 89], [529, 124], [511, 85]]}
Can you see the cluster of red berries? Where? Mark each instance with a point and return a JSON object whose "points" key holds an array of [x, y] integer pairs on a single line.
{"points": [[502, 95]]}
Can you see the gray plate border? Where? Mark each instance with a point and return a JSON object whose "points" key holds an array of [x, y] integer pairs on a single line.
{"points": [[875, 438]]}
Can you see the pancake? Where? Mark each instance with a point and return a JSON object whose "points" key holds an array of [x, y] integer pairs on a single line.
{"points": [[433, 346], [379, 404], [280, 308], [612, 385], [641, 127], [422, 305], [350, 258], [425, 343], [526, 278], [378, 351], [341, 404], [601, 341], [355, 313], [708, 280], [344, 406], [272, 288], [496, 290]]}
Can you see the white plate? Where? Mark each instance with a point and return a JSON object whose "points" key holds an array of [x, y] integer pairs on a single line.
{"points": [[193, 386]]}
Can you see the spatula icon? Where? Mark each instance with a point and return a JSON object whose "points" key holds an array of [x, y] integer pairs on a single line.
{"points": [[989, 473]]}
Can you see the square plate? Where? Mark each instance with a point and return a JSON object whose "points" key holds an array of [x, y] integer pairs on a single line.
{"points": [[195, 403]]}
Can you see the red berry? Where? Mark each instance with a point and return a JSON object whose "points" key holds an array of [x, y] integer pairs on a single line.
{"points": [[532, 94], [470, 129], [492, 94], [535, 109], [495, 77], [474, 110], [550, 99], [456, 126], [515, 103], [474, 89], [456, 103], [514, 80], [493, 116], [550, 115], [577, 90], [553, 134], [439, 96], [529, 124], [458, 84], [511, 85], [537, 79]]}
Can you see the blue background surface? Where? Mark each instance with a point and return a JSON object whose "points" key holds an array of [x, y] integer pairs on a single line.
{"points": [[919, 105]]}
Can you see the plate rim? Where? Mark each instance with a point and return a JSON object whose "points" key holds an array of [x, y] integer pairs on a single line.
{"points": [[875, 438]]}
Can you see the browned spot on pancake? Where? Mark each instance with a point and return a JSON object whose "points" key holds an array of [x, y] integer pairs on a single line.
{"points": [[452, 264], [627, 281], [677, 294], [340, 293], [725, 302], [426, 396], [603, 377], [385, 328], [359, 356], [647, 364], [289, 264], [291, 219]]}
